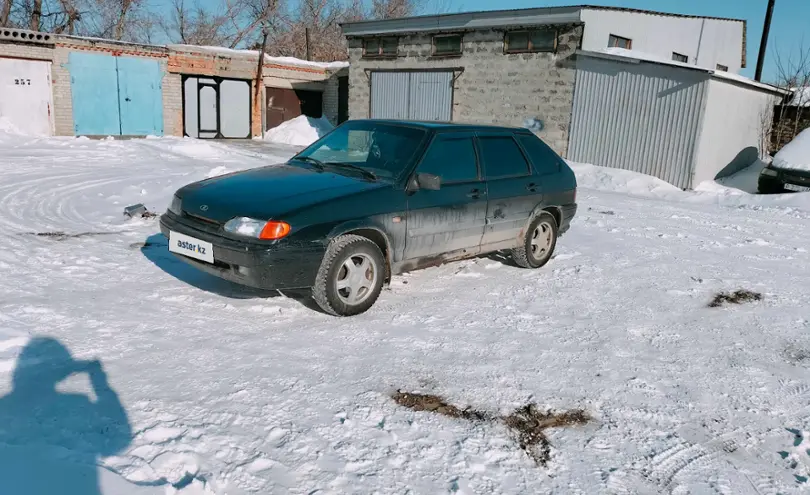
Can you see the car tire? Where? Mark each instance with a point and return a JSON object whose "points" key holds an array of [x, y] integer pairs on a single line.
{"points": [[339, 290], [539, 242]]}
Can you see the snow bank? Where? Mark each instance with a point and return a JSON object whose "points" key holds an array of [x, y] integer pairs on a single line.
{"points": [[616, 180], [738, 190], [300, 131], [796, 154]]}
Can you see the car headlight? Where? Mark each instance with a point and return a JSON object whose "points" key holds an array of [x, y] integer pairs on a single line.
{"points": [[258, 229], [769, 172], [177, 206]]}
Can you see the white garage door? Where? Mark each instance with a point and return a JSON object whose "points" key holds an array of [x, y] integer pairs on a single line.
{"points": [[412, 95], [25, 96]]}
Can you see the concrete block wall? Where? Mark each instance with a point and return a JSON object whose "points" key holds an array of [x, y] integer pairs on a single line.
{"points": [[331, 96], [494, 88]]}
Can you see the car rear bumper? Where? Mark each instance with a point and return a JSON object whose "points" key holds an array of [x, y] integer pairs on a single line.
{"points": [[277, 266], [568, 214]]}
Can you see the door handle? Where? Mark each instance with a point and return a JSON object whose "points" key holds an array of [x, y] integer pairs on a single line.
{"points": [[531, 187], [127, 99], [475, 193]]}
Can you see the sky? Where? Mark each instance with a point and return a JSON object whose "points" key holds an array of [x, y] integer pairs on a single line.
{"points": [[791, 19]]}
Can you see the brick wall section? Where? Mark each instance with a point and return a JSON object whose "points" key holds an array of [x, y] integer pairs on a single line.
{"points": [[62, 96], [494, 88], [29, 51], [172, 102]]}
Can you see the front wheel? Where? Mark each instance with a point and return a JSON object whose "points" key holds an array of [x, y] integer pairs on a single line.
{"points": [[351, 276], [539, 243]]}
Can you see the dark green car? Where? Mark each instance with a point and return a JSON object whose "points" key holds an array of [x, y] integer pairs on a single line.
{"points": [[373, 199]]}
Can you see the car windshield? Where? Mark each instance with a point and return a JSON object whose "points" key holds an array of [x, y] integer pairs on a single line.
{"points": [[384, 150]]}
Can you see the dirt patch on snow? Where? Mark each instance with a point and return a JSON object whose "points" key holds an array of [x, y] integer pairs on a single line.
{"points": [[736, 297], [61, 236], [527, 424]]}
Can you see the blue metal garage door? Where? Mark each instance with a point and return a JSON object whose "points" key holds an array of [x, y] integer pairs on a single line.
{"points": [[115, 95], [140, 96], [94, 87]]}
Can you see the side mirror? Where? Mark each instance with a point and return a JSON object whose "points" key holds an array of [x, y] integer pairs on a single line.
{"points": [[429, 182]]}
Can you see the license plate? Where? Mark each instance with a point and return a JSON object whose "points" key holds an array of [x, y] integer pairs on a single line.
{"points": [[191, 247], [793, 187]]}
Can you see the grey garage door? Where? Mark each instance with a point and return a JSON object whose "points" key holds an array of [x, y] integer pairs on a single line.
{"points": [[412, 95]]}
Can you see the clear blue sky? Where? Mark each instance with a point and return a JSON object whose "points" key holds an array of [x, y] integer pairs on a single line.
{"points": [[791, 18]]}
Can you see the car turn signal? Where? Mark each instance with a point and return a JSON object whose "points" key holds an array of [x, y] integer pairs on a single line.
{"points": [[274, 230]]}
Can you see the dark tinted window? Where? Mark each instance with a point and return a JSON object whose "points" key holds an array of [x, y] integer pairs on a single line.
{"points": [[447, 45], [502, 157], [451, 158], [545, 161]]}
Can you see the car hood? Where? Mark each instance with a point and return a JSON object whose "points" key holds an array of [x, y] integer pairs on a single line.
{"points": [[267, 192]]}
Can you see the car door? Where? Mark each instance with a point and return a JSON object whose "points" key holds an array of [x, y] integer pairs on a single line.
{"points": [[450, 219], [513, 190]]}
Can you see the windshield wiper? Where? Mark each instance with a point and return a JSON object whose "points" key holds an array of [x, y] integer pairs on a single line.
{"points": [[314, 161], [366, 173]]}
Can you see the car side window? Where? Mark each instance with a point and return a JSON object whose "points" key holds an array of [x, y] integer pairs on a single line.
{"points": [[545, 161], [501, 157], [451, 158]]}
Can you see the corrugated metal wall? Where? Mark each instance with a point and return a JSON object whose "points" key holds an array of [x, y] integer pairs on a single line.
{"points": [[412, 95], [641, 117], [431, 96]]}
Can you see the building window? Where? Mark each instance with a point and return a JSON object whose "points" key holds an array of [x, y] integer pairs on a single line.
{"points": [[619, 42], [541, 40], [380, 47], [447, 45], [723, 68], [680, 58]]}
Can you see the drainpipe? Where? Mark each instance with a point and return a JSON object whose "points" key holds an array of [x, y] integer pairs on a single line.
{"points": [[700, 40]]}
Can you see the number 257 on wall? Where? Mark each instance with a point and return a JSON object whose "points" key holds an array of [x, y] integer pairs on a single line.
{"points": [[22, 82]]}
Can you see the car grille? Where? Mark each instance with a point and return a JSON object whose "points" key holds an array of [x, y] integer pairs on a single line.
{"points": [[201, 219], [794, 179]]}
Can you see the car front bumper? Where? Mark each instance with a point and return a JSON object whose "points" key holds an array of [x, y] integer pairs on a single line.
{"points": [[283, 265], [780, 178]]}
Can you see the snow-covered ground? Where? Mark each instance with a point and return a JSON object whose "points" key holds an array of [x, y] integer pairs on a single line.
{"points": [[224, 390]]}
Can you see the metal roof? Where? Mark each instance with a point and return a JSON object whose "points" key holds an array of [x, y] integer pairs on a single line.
{"points": [[492, 19], [630, 57]]}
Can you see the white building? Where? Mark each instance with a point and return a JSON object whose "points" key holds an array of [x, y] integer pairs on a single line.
{"points": [[707, 42]]}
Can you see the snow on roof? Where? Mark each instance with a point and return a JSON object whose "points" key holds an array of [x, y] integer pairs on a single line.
{"points": [[254, 53], [801, 97], [649, 57]]}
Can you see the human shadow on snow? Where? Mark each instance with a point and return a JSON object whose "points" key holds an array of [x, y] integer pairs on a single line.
{"points": [[50, 441], [156, 250]]}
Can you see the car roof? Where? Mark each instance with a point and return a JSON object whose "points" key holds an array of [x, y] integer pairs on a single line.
{"points": [[447, 126]]}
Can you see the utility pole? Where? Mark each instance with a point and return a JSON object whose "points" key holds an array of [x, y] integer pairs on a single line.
{"points": [[306, 39], [763, 45]]}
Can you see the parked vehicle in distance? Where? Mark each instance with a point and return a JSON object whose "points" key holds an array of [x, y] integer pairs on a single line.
{"points": [[372, 199], [790, 168]]}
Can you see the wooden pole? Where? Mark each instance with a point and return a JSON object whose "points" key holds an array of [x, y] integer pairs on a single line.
{"points": [[260, 78], [306, 38]]}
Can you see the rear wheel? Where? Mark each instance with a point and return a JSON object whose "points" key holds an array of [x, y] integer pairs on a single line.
{"points": [[351, 276], [539, 243]]}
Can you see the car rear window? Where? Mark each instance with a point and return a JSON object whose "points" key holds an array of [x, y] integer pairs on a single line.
{"points": [[502, 157], [452, 159], [544, 160]]}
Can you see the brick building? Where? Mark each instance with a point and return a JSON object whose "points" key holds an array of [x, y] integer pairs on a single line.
{"points": [[65, 86]]}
